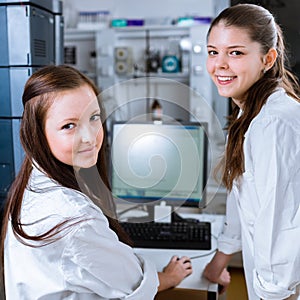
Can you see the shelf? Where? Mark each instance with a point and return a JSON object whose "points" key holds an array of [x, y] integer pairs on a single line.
{"points": [[72, 34], [160, 77], [156, 31]]}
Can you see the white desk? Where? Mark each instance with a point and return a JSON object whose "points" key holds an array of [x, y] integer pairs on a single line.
{"points": [[160, 257]]}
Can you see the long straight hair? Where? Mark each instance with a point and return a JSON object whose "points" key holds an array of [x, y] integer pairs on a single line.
{"points": [[261, 27], [39, 93]]}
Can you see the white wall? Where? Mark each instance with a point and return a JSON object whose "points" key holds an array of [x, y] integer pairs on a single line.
{"points": [[144, 9]]}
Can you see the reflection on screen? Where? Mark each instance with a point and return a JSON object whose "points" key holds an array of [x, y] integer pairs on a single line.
{"points": [[152, 162]]}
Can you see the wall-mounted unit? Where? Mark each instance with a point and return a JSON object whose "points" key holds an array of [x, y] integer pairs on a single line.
{"points": [[171, 58], [31, 36]]}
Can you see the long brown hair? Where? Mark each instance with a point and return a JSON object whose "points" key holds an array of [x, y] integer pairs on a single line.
{"points": [[39, 92], [259, 23]]}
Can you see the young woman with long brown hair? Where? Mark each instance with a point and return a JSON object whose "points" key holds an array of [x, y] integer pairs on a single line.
{"points": [[60, 238], [261, 170]]}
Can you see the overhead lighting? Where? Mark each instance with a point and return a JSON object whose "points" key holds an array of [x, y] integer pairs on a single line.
{"points": [[197, 49]]}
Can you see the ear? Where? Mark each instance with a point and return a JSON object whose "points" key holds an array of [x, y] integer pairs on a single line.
{"points": [[270, 58]]}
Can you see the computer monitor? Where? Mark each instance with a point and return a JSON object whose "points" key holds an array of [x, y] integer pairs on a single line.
{"points": [[155, 161]]}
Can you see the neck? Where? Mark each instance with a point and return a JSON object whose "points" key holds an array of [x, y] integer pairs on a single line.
{"points": [[239, 103]]}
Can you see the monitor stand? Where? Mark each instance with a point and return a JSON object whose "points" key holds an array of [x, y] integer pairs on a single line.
{"points": [[165, 213], [158, 212]]}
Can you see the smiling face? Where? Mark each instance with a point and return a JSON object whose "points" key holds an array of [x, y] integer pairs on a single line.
{"points": [[73, 127], [234, 62]]}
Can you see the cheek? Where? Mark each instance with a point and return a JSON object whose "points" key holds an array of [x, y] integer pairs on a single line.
{"points": [[250, 78], [252, 70], [61, 148], [209, 66], [99, 138]]}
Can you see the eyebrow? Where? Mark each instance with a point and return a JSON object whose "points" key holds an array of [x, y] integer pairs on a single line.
{"points": [[230, 47], [97, 111], [68, 120], [76, 119]]}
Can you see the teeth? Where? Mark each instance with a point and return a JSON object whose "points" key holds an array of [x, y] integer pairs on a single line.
{"points": [[227, 78]]}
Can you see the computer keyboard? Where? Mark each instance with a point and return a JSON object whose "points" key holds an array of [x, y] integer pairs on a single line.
{"points": [[175, 235]]}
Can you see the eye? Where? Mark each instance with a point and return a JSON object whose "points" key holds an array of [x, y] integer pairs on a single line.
{"points": [[212, 52], [236, 53], [96, 117], [68, 126]]}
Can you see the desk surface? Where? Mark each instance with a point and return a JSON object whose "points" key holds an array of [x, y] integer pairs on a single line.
{"points": [[160, 257]]}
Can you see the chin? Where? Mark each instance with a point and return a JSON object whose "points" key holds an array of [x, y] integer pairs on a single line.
{"points": [[85, 165], [226, 95]]}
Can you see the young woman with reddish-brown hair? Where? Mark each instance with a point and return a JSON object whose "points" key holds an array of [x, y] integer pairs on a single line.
{"points": [[60, 238]]}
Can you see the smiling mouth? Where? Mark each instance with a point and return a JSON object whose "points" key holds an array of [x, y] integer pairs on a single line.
{"points": [[86, 150], [225, 79]]}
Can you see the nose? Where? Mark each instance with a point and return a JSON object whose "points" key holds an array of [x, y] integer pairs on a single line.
{"points": [[87, 134], [221, 61]]}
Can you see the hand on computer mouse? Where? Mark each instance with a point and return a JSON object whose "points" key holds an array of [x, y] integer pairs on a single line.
{"points": [[186, 259], [174, 272]]}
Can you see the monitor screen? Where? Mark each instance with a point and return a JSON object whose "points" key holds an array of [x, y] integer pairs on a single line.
{"points": [[152, 161]]}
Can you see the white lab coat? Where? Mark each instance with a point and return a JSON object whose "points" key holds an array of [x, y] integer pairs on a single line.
{"points": [[263, 214], [87, 263]]}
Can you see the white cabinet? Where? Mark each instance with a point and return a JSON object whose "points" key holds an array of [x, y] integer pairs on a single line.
{"points": [[128, 68], [165, 62], [79, 48]]}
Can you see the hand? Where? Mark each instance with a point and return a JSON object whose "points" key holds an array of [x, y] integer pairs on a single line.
{"points": [[224, 281], [216, 271], [174, 272]]}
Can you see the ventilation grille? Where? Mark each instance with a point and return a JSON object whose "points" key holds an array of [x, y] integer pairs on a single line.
{"points": [[40, 48]]}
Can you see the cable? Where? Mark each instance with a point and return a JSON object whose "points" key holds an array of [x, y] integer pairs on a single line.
{"points": [[130, 208], [206, 254], [203, 255]]}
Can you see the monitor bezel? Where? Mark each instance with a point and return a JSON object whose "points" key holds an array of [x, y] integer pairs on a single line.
{"points": [[170, 201]]}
